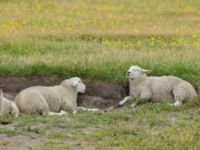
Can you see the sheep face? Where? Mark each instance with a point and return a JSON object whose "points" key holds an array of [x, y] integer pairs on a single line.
{"points": [[78, 84], [135, 72], [75, 83]]}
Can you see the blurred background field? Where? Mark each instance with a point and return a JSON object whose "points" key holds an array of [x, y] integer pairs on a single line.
{"points": [[100, 17], [99, 39]]}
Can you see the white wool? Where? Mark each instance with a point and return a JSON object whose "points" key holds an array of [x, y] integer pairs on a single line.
{"points": [[157, 89], [45, 99], [7, 106]]}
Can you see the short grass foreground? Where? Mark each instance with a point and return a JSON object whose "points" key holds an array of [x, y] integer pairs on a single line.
{"points": [[149, 126]]}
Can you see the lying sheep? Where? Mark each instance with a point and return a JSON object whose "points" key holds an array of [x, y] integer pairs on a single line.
{"points": [[51, 100], [157, 89], [7, 106]]}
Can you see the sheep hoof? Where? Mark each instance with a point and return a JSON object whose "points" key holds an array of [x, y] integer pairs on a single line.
{"points": [[109, 109], [74, 112], [177, 103], [118, 105], [132, 106]]}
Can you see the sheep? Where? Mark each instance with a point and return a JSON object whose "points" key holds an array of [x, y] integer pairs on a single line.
{"points": [[157, 89], [51, 100], [7, 106]]}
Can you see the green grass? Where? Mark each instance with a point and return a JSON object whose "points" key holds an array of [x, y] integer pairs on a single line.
{"points": [[99, 40], [91, 60], [149, 126]]}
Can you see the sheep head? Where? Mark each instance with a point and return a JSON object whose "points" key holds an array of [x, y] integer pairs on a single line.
{"points": [[136, 72], [75, 83]]}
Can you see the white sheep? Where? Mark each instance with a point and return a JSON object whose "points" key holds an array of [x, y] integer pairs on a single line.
{"points": [[157, 89], [7, 106], [52, 100]]}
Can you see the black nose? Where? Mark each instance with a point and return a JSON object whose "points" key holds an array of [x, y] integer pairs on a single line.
{"points": [[128, 72]]}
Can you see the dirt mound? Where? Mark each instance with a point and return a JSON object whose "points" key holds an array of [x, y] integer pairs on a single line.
{"points": [[98, 94]]}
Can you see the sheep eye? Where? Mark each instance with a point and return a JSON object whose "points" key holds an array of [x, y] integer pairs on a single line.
{"points": [[137, 70]]}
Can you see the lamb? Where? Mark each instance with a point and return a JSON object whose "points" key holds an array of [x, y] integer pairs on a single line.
{"points": [[7, 106], [157, 89], [52, 100]]}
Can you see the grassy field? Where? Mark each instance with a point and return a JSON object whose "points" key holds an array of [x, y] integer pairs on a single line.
{"points": [[99, 40]]}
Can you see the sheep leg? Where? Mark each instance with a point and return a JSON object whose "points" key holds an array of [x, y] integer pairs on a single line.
{"points": [[57, 114], [134, 104], [69, 107], [179, 95], [143, 97], [37, 104], [177, 103], [121, 103], [87, 109], [14, 110]]}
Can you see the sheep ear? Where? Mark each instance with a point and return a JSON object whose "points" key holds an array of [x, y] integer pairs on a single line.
{"points": [[146, 71], [75, 83]]}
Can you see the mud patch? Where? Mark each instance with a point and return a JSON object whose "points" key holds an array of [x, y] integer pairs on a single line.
{"points": [[98, 94], [22, 142]]}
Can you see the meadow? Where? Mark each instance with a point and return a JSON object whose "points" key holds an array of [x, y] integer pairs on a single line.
{"points": [[99, 40]]}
